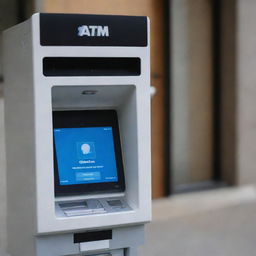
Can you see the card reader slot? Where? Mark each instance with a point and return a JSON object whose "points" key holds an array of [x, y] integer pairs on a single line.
{"points": [[73, 205], [89, 66], [90, 206]]}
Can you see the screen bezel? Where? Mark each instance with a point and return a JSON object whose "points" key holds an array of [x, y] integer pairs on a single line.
{"points": [[83, 119]]}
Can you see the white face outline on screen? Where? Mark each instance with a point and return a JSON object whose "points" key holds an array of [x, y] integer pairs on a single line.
{"points": [[86, 149]]}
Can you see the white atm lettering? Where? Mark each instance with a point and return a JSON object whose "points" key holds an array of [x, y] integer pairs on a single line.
{"points": [[92, 30]]}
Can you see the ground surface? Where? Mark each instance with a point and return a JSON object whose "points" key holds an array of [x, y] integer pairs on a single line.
{"points": [[225, 232], [220, 230]]}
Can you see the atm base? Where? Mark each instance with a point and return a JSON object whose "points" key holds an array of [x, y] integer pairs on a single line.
{"points": [[124, 242]]}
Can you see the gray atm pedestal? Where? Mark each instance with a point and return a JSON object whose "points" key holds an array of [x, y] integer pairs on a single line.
{"points": [[77, 111]]}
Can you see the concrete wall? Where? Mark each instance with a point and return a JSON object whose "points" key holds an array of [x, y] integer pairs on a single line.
{"points": [[2, 182], [191, 92], [179, 78], [8, 17], [238, 100], [246, 91]]}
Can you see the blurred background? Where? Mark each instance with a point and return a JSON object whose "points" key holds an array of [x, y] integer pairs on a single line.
{"points": [[203, 60]]}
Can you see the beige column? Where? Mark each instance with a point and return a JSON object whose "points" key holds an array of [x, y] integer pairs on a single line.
{"points": [[246, 91], [191, 91]]}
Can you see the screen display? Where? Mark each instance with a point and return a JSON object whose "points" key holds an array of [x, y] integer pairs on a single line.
{"points": [[85, 155]]}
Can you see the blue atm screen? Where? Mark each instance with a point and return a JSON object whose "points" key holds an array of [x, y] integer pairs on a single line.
{"points": [[85, 155]]}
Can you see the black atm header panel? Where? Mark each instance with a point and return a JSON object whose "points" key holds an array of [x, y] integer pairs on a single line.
{"points": [[92, 30]]}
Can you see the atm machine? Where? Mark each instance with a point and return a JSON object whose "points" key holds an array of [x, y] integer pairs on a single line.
{"points": [[77, 116]]}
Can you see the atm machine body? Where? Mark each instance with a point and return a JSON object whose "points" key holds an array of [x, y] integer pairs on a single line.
{"points": [[77, 115]]}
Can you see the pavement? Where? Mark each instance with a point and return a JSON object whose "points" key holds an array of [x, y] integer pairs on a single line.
{"points": [[213, 223]]}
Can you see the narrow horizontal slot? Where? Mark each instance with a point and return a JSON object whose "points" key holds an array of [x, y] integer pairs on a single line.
{"points": [[92, 236], [83, 66]]}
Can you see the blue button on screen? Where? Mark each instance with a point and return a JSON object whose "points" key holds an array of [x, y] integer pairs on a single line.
{"points": [[85, 155]]}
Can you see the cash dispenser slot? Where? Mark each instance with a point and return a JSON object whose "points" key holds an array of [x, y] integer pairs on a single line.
{"points": [[91, 66], [92, 236], [95, 240]]}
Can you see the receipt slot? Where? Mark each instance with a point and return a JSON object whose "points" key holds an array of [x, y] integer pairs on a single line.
{"points": [[77, 115]]}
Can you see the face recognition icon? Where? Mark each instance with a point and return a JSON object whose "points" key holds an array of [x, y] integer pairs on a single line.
{"points": [[86, 150]]}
